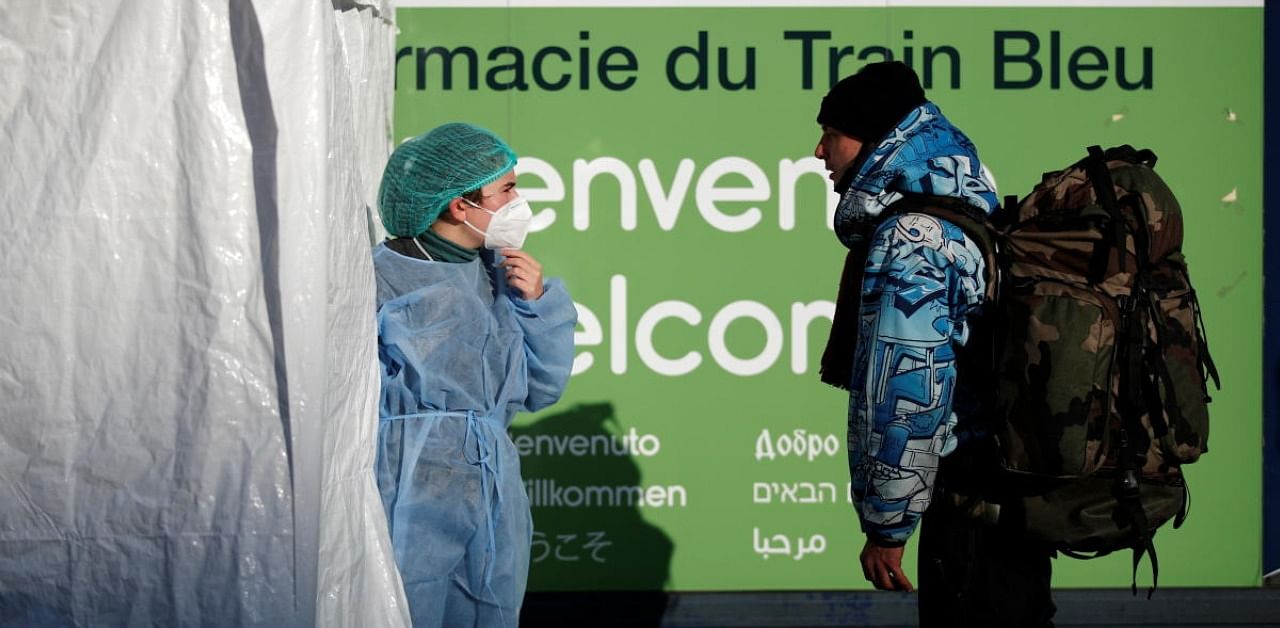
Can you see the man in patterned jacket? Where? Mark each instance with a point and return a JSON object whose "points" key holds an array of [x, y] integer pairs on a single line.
{"points": [[911, 287]]}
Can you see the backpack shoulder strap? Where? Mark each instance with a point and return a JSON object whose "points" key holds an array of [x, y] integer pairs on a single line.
{"points": [[971, 220]]}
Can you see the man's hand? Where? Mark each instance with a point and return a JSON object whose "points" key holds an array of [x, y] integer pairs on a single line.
{"points": [[524, 273], [882, 567]]}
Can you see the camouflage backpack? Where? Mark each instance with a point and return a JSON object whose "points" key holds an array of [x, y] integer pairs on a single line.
{"points": [[1098, 354]]}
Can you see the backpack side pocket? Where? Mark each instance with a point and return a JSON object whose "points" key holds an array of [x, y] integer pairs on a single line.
{"points": [[1180, 425]]}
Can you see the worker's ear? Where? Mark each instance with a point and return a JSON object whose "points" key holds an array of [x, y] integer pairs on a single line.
{"points": [[455, 211]]}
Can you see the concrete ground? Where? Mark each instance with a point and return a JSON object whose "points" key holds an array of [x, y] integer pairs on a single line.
{"points": [[1077, 608]]}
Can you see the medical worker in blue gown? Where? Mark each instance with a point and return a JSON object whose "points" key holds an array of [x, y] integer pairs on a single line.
{"points": [[469, 334]]}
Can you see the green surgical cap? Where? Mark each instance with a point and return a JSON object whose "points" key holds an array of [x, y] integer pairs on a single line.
{"points": [[426, 172]]}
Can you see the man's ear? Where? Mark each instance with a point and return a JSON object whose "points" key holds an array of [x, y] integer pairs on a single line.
{"points": [[455, 211]]}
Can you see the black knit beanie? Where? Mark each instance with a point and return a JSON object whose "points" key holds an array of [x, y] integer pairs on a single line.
{"points": [[870, 103]]}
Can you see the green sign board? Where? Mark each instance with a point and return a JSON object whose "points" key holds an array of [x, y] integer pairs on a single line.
{"points": [[668, 155]]}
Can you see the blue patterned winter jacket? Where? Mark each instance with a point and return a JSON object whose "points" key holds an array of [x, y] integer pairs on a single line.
{"points": [[923, 279]]}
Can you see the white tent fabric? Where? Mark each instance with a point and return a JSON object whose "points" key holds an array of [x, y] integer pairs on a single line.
{"points": [[187, 363]]}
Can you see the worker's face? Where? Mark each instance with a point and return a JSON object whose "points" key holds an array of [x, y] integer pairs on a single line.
{"points": [[492, 198], [837, 150]]}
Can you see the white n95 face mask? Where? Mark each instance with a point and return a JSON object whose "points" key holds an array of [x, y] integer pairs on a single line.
{"points": [[508, 226]]}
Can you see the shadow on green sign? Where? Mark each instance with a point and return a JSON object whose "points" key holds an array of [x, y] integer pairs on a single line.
{"points": [[589, 536]]}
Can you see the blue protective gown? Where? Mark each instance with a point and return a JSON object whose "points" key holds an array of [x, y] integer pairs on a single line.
{"points": [[460, 355]]}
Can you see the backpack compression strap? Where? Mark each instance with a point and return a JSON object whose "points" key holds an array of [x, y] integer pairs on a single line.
{"points": [[1130, 345], [1096, 168]]}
